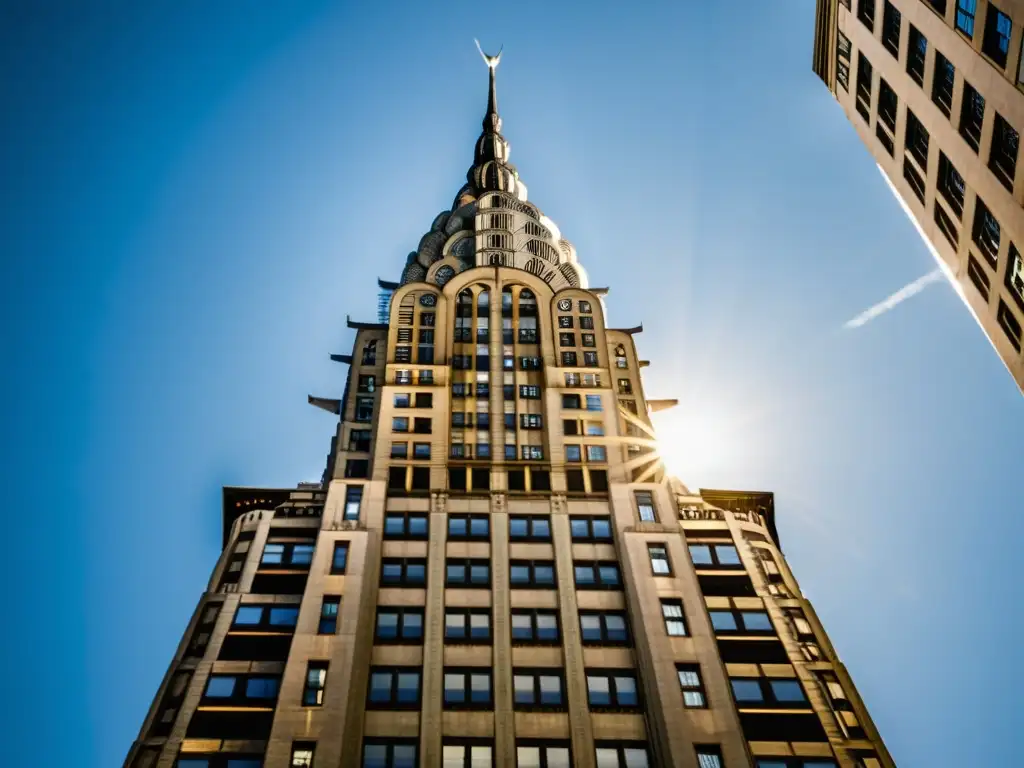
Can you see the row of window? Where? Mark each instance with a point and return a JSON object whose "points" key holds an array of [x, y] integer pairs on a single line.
{"points": [[412, 572]]}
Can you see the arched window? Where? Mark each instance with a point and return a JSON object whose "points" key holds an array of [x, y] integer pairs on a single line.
{"points": [[370, 353]]}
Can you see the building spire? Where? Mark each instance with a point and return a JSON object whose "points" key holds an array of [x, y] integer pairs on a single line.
{"points": [[491, 120]]}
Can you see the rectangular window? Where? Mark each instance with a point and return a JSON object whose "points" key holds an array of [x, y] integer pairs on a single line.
{"points": [[951, 185], [530, 421], [421, 450], [529, 528], [531, 753], [596, 453], [529, 363], [594, 403], [675, 621], [265, 617], [888, 104], [986, 232], [535, 626], [660, 564], [340, 558], [891, 21], [406, 525], [462, 753], [946, 225], [469, 527], [540, 689], [770, 692], [978, 277], [573, 453], [571, 401], [394, 688], [1002, 158], [591, 528], [645, 506], [366, 384], [692, 686], [972, 115], [316, 680], [998, 29], [603, 628], [287, 555], [467, 573], [966, 10], [359, 440], [533, 453], [942, 84], [353, 501], [569, 359], [529, 391], [565, 321], [399, 450], [403, 572], [612, 690], [567, 339], [400, 424], [403, 376], [1015, 275], [594, 429], [731, 622], [532, 574], [467, 625], [709, 756], [916, 140], [421, 426], [364, 409], [597, 575], [917, 51], [467, 689], [1009, 324], [390, 753], [329, 615], [866, 13], [399, 625], [914, 179], [302, 755], [715, 555], [628, 754], [401, 400]]}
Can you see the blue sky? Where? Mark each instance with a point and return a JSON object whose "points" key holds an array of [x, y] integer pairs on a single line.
{"points": [[194, 196]]}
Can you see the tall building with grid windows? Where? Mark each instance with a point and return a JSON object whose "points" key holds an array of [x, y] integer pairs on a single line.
{"points": [[935, 89], [495, 569]]}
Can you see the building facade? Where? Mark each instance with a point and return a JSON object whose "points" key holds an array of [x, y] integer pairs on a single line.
{"points": [[495, 570], [935, 89]]}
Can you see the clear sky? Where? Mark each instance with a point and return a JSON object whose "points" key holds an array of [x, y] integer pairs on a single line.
{"points": [[194, 195]]}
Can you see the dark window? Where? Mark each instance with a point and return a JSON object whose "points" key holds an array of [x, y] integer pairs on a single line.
{"points": [[316, 680], [569, 359], [467, 573], [421, 426], [866, 13], [467, 689], [538, 689], [398, 571], [587, 323], [532, 573], [359, 440], [978, 277], [529, 528], [1015, 275], [946, 225], [329, 615], [357, 468], [530, 421], [986, 232], [366, 384], [390, 753], [914, 179], [565, 321], [972, 115], [709, 756], [571, 401], [597, 575], [567, 339], [241, 690], [951, 185], [916, 140], [612, 690], [692, 685], [529, 391], [891, 20], [467, 625], [394, 688], [715, 555], [917, 50], [626, 754], [424, 400], [400, 451], [399, 625], [966, 10], [770, 692], [590, 359], [466, 527], [1009, 324], [543, 754], [733, 622], [287, 555], [591, 528], [340, 558], [996, 42], [1002, 158], [660, 565], [888, 103], [272, 618], [534, 626], [529, 363], [406, 525], [942, 83], [604, 628], [675, 621], [364, 409], [574, 480]]}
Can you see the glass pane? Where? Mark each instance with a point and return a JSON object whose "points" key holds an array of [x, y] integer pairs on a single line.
{"points": [[408, 687], [635, 758], [520, 574], [220, 686], [453, 757], [528, 757], [412, 627], [550, 689], [615, 626], [701, 554], [756, 620], [375, 756], [607, 758], [693, 698], [584, 574], [261, 687], [454, 692], [417, 526], [517, 527], [746, 690], [688, 678], [599, 691], [272, 553], [609, 574], [249, 615], [580, 529], [544, 574], [284, 617], [625, 691], [602, 529], [727, 554], [479, 526], [454, 625], [387, 625], [480, 757], [456, 526], [787, 690], [547, 626], [405, 756], [302, 554], [558, 757], [480, 626], [590, 627], [522, 627], [723, 620], [523, 685], [542, 529], [480, 574], [380, 686], [416, 573], [480, 688], [456, 573]]}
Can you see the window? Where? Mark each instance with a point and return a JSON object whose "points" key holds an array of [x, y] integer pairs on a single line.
{"points": [[779, 692], [536, 528], [573, 453], [405, 525], [241, 690], [1002, 158], [565, 321], [709, 757], [533, 453], [329, 615], [392, 753], [621, 755], [359, 440], [467, 573], [540, 689], [965, 13], [403, 376], [399, 625], [996, 42], [395, 688], [938, 5], [467, 625], [972, 115], [603, 628], [530, 420], [951, 185], [399, 450], [1015, 275], [469, 527], [265, 617], [866, 13], [589, 340], [421, 426], [467, 689], [978, 277], [287, 554], [529, 363], [693, 688], [366, 384], [917, 50], [916, 140], [942, 84], [597, 575], [596, 453], [535, 754], [594, 403], [400, 424], [569, 359], [364, 409], [534, 626], [887, 104], [455, 754], [340, 558], [721, 555], [608, 690], [532, 573], [316, 679], [402, 400], [986, 232], [424, 400], [625, 387], [529, 391], [587, 323], [1009, 324], [741, 622], [891, 20], [398, 571], [421, 450], [567, 339], [302, 755], [571, 401], [594, 429], [591, 528], [660, 564], [645, 505]]}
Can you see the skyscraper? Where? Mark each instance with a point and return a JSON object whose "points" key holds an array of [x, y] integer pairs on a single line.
{"points": [[495, 569], [935, 90]]}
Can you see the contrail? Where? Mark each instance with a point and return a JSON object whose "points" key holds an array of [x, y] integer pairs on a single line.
{"points": [[904, 293]]}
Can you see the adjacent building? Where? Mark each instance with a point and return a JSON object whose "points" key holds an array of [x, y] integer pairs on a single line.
{"points": [[935, 89], [495, 570]]}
